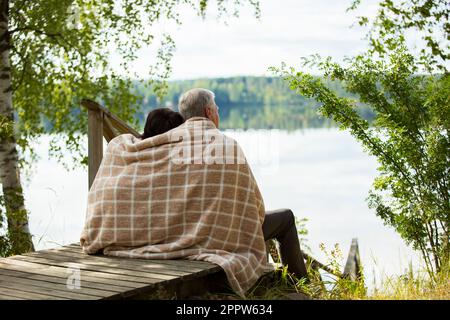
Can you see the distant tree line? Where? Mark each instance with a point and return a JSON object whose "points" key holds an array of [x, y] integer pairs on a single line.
{"points": [[249, 102]]}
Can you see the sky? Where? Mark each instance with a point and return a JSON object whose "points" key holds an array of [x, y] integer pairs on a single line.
{"points": [[286, 31]]}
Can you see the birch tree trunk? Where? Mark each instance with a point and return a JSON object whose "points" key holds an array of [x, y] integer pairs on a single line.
{"points": [[16, 214]]}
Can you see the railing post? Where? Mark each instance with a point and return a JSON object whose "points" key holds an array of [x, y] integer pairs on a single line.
{"points": [[352, 268], [95, 142]]}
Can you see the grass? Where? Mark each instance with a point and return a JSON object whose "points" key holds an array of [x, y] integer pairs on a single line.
{"points": [[413, 285], [280, 285]]}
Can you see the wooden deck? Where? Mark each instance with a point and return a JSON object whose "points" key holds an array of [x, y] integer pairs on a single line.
{"points": [[49, 274]]}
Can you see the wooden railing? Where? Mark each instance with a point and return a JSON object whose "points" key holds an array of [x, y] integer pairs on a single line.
{"points": [[103, 124], [352, 269]]}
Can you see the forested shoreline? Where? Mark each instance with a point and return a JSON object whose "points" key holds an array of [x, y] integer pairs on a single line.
{"points": [[249, 102]]}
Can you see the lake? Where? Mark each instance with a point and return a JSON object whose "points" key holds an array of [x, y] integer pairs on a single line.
{"points": [[321, 174]]}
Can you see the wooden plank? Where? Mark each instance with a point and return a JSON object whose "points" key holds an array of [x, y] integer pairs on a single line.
{"points": [[63, 280], [27, 295], [7, 297], [176, 262], [108, 278], [45, 273], [42, 267], [44, 291], [133, 289], [137, 276], [184, 265], [118, 123], [59, 272], [95, 142], [56, 286], [108, 130], [150, 265], [352, 266], [112, 263], [173, 265], [121, 126]]}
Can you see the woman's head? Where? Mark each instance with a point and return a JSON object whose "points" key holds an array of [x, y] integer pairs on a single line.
{"points": [[161, 120]]}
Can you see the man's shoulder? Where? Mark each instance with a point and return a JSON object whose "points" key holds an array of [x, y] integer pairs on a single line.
{"points": [[221, 137], [121, 140], [230, 140]]}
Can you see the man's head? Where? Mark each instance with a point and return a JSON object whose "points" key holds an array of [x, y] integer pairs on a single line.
{"points": [[199, 102]]}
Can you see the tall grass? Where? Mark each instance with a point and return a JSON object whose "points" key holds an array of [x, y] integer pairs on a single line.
{"points": [[412, 285], [415, 285]]}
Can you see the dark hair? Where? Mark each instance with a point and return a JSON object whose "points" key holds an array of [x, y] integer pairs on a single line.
{"points": [[161, 120]]}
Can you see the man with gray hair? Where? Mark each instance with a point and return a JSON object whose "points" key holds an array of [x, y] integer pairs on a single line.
{"points": [[199, 102], [278, 224]]}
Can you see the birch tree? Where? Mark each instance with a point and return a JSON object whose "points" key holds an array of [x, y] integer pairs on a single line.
{"points": [[53, 53], [18, 230]]}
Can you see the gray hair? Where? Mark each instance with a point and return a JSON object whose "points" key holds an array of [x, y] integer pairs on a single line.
{"points": [[194, 102]]}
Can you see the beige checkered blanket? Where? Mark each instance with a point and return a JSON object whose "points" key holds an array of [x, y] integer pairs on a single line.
{"points": [[188, 193]]}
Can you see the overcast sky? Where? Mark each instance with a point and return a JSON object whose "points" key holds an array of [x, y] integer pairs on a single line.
{"points": [[287, 30]]}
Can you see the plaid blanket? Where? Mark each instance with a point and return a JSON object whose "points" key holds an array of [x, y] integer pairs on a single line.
{"points": [[188, 193]]}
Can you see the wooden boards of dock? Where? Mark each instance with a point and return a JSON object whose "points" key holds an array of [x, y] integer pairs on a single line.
{"points": [[66, 273]]}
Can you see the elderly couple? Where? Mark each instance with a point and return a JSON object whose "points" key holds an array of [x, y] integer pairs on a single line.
{"points": [[144, 204]]}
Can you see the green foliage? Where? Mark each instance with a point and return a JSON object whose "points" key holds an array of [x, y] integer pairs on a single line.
{"points": [[409, 137], [328, 286], [415, 285], [425, 19], [410, 132], [6, 128], [60, 53], [302, 232], [319, 285]]}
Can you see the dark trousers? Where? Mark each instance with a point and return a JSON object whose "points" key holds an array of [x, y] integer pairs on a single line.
{"points": [[280, 225]]}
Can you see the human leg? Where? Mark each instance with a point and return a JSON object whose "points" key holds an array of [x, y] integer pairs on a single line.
{"points": [[280, 225]]}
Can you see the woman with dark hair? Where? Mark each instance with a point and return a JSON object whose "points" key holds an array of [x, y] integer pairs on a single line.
{"points": [[160, 121]]}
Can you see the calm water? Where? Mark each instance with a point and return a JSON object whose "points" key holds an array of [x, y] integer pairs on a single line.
{"points": [[321, 174]]}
